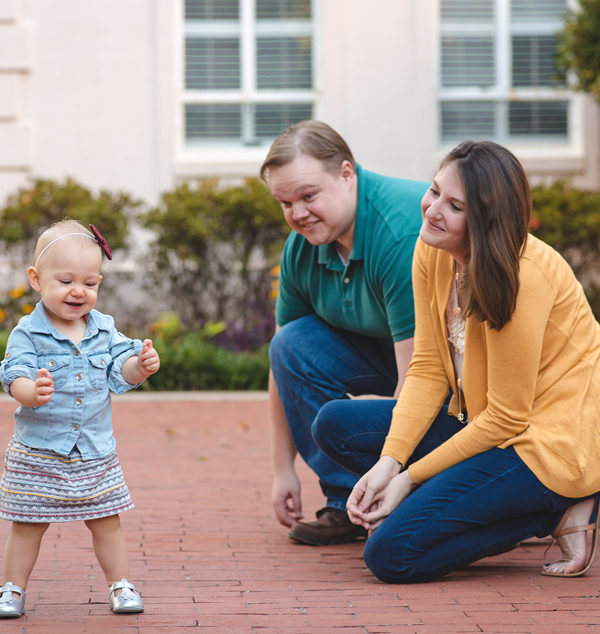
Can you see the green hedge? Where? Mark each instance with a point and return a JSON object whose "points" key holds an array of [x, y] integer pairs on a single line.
{"points": [[568, 218], [192, 363], [3, 339]]}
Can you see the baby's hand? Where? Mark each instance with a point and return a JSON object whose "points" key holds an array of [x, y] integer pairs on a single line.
{"points": [[148, 360], [44, 386]]}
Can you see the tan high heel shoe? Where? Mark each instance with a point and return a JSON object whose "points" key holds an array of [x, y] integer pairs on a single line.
{"points": [[559, 532]]}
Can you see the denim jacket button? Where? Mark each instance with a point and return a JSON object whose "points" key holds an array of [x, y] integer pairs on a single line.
{"points": [[78, 377], [76, 352], [75, 426], [78, 401], [51, 363]]}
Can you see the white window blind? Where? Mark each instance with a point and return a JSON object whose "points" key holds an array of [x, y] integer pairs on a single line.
{"points": [[248, 69], [498, 75]]}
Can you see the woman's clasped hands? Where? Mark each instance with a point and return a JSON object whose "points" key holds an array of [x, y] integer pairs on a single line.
{"points": [[378, 493]]}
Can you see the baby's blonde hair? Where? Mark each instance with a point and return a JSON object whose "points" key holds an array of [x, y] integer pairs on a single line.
{"points": [[61, 228]]}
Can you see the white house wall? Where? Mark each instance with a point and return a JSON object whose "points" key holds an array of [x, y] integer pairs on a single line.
{"points": [[377, 81], [91, 89]]}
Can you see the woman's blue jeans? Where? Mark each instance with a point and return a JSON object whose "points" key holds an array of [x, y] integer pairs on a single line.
{"points": [[314, 363], [479, 507]]}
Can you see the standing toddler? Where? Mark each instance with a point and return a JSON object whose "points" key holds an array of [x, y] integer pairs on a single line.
{"points": [[61, 464]]}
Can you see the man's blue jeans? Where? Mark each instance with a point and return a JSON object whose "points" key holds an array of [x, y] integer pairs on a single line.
{"points": [[313, 363], [479, 507]]}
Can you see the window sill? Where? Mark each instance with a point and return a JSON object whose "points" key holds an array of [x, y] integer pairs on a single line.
{"points": [[219, 162]]}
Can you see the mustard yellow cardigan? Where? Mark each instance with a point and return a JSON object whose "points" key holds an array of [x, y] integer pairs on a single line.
{"points": [[535, 384]]}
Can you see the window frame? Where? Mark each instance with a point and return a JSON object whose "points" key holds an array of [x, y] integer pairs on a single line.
{"points": [[502, 93], [225, 152]]}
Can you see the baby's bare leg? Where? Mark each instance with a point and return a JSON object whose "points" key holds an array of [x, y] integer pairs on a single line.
{"points": [[21, 551], [110, 548]]}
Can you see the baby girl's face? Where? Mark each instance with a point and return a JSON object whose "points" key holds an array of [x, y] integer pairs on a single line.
{"points": [[69, 277]]}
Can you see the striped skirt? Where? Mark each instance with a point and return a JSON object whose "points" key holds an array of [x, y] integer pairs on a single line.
{"points": [[39, 485]]}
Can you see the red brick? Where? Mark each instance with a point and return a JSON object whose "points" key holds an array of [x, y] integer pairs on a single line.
{"points": [[208, 555]]}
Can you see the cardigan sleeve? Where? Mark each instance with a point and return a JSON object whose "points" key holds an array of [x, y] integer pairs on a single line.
{"points": [[513, 362], [426, 385]]}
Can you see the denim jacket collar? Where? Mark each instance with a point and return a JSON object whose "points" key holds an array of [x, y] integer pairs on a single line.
{"points": [[39, 323]]}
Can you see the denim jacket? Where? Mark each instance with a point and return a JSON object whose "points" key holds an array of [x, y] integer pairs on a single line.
{"points": [[79, 412]]}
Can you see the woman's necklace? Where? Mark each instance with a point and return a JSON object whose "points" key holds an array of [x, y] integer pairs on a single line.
{"points": [[457, 310]]}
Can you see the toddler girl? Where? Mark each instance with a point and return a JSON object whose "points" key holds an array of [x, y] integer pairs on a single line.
{"points": [[61, 464]]}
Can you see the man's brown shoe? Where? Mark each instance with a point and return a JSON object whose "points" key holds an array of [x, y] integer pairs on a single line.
{"points": [[332, 526]]}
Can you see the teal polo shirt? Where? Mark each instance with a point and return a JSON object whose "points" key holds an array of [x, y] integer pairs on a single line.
{"points": [[372, 293]]}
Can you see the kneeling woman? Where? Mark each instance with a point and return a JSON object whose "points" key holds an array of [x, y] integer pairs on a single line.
{"points": [[503, 325]]}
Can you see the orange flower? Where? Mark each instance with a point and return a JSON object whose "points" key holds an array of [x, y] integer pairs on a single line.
{"points": [[17, 292], [274, 290], [275, 282]]}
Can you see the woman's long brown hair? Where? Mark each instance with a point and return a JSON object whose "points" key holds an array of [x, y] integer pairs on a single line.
{"points": [[498, 207]]}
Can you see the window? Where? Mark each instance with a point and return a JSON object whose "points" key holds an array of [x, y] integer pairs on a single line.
{"points": [[498, 76], [248, 69]]}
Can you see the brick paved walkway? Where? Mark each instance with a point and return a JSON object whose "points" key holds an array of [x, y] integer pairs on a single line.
{"points": [[208, 555]]}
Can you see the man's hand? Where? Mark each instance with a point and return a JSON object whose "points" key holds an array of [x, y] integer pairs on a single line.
{"points": [[285, 496]]}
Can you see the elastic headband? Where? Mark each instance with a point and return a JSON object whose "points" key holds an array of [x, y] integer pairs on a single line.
{"points": [[97, 238], [67, 235]]}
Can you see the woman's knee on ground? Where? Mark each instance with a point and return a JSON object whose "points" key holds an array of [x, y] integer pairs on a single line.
{"points": [[384, 558]]}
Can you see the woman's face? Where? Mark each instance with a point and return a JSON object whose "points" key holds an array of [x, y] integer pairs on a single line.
{"points": [[444, 214], [317, 204]]}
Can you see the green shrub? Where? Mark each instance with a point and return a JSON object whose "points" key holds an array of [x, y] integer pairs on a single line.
{"points": [[214, 252], [579, 46], [569, 219], [32, 209], [15, 303], [3, 340], [192, 363]]}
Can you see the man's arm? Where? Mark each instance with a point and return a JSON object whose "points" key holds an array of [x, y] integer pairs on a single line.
{"points": [[404, 351], [285, 493]]}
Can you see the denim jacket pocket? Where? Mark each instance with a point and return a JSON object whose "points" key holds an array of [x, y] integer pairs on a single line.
{"points": [[58, 364], [98, 369]]}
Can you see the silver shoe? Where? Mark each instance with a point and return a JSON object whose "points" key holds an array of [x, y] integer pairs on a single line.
{"points": [[129, 601], [11, 608]]}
